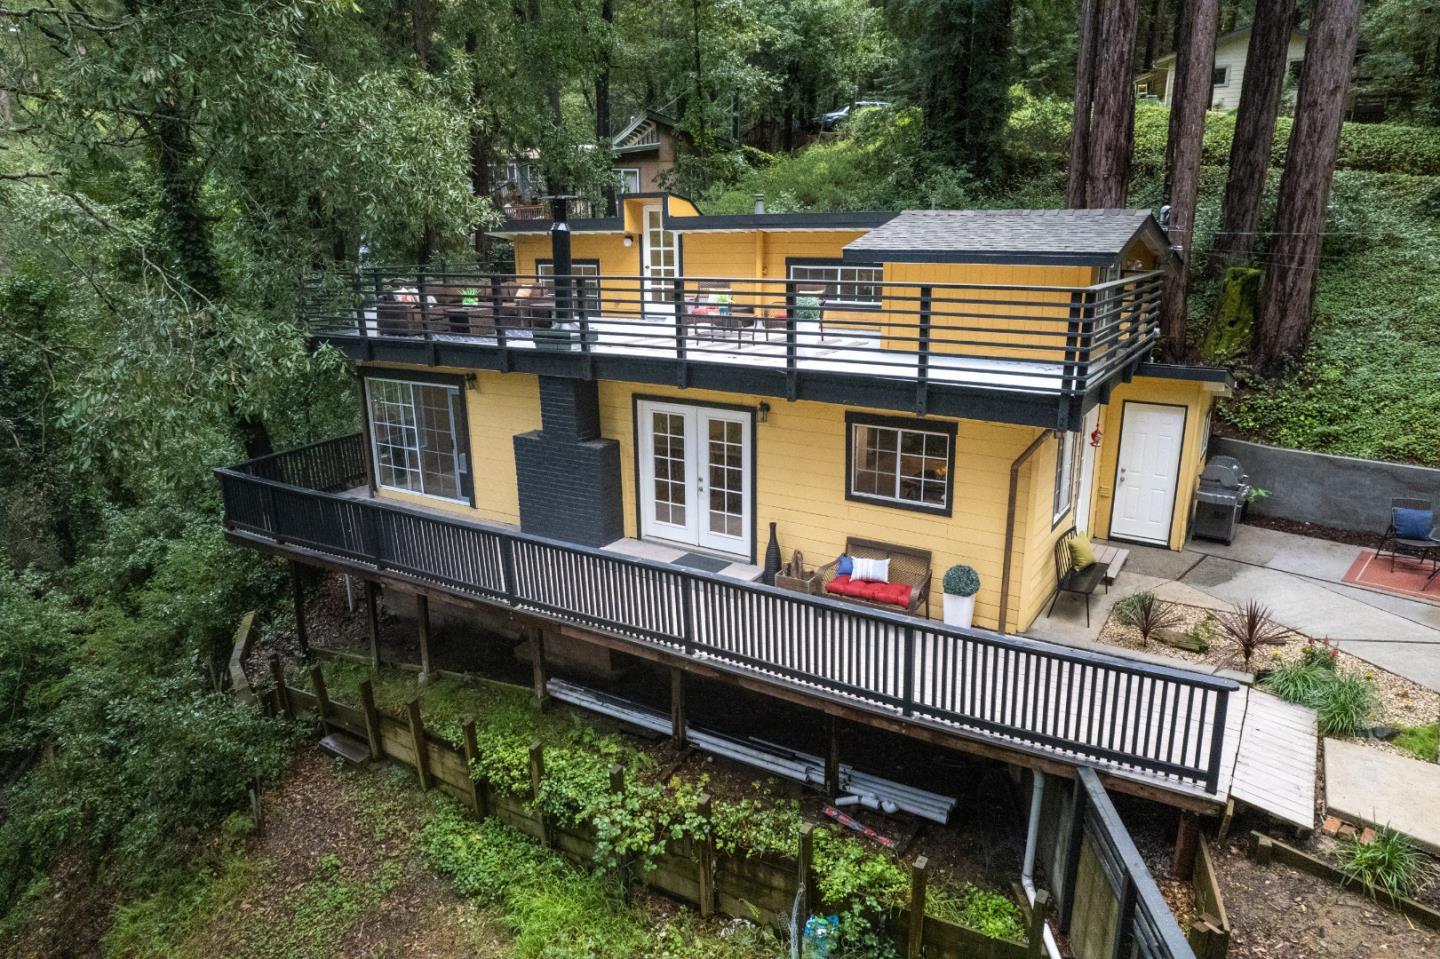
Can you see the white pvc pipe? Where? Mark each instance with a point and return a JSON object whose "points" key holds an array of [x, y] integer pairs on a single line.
{"points": [[1027, 871]]}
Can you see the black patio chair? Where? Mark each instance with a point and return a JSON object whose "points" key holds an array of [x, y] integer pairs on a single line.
{"points": [[1395, 544], [1081, 582]]}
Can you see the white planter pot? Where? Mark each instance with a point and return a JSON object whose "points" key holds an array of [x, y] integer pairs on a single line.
{"points": [[959, 610]]}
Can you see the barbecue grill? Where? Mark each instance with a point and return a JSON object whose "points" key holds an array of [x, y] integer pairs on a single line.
{"points": [[1222, 495]]}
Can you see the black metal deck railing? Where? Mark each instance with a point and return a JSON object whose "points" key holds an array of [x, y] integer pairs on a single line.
{"points": [[1082, 706], [1051, 340]]}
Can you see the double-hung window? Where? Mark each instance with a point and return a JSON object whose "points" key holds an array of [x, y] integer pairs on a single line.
{"points": [[1067, 467], [900, 462], [843, 285], [417, 437]]}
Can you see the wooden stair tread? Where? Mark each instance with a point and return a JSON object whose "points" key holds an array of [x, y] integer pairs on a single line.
{"points": [[354, 751]]}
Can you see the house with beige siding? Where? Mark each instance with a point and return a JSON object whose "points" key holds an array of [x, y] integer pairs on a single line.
{"points": [[1228, 73]]}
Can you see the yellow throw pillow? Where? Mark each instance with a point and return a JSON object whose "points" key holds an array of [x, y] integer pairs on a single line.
{"points": [[1082, 554]]}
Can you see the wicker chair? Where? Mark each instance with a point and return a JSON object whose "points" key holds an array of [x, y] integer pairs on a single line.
{"points": [[1395, 545], [1081, 582], [907, 565]]}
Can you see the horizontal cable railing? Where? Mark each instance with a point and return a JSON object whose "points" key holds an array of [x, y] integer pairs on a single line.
{"points": [[1087, 706], [1056, 339]]}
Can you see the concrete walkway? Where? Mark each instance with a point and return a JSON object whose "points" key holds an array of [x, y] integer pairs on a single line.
{"points": [[1298, 577], [1365, 785]]}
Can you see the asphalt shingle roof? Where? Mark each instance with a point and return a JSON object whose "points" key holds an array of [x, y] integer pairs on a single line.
{"points": [[1073, 236]]}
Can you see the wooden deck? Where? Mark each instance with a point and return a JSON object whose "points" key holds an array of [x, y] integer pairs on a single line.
{"points": [[1274, 768]]}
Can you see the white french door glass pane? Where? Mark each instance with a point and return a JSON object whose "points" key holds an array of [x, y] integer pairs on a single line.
{"points": [[726, 512], [671, 482]]}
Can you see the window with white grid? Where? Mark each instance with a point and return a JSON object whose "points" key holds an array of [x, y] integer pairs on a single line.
{"points": [[415, 437], [900, 465], [1067, 466], [842, 285]]}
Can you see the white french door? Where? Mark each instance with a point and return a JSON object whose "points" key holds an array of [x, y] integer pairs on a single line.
{"points": [[659, 261], [695, 476], [1147, 472]]}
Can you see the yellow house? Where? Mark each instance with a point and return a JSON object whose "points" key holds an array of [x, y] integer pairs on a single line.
{"points": [[969, 384]]}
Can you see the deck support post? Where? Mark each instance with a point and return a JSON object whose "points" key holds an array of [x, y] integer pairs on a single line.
{"points": [[677, 708], [539, 673], [832, 757], [1187, 842], [372, 620], [422, 619], [372, 718], [297, 586], [915, 935], [419, 740]]}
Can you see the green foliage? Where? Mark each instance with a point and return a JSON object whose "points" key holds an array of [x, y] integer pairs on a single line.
{"points": [[1388, 863], [1299, 683], [1146, 613], [1345, 706], [1422, 742], [1343, 703], [987, 911], [961, 581]]}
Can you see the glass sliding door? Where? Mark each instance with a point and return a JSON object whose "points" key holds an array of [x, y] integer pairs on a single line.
{"points": [[416, 439]]}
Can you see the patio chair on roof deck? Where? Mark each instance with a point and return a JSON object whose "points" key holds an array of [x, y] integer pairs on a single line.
{"points": [[1399, 539]]}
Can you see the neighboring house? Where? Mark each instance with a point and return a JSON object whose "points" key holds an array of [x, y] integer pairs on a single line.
{"points": [[645, 151], [1229, 71]]}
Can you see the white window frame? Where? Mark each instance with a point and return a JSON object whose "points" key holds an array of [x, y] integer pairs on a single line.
{"points": [[1067, 465], [900, 432], [623, 173], [459, 442], [842, 277]]}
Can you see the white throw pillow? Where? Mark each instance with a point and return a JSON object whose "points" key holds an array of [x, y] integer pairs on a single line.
{"points": [[875, 570]]}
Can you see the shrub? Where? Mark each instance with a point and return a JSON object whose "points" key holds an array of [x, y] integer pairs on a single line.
{"points": [[1146, 613], [1248, 627], [961, 581], [991, 913], [1299, 683], [1344, 706], [1387, 862]]}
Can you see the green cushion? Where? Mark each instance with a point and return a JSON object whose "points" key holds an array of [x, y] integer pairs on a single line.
{"points": [[1082, 554]]}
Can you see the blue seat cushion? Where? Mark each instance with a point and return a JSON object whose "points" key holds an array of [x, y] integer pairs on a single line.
{"points": [[1413, 523]]}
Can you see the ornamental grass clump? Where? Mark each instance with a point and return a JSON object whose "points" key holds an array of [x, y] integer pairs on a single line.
{"points": [[1248, 627], [1345, 706], [1147, 614], [1387, 862]]}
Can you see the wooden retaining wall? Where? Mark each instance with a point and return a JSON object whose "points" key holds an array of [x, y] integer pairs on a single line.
{"points": [[761, 889], [1209, 932]]}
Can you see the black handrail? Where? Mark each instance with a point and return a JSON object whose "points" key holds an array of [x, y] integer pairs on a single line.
{"points": [[1089, 706]]}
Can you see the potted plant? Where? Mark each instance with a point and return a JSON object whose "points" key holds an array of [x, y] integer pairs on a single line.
{"points": [[961, 583]]}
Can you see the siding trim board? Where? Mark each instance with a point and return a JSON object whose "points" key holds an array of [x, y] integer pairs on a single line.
{"points": [[854, 418]]}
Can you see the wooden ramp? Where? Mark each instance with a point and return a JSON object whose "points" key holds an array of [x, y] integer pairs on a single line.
{"points": [[1275, 763]]}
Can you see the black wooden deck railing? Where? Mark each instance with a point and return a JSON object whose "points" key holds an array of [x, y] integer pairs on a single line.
{"points": [[1084, 706], [1062, 340]]}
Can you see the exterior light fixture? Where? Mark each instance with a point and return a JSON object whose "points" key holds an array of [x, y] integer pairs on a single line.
{"points": [[763, 412], [629, 240]]}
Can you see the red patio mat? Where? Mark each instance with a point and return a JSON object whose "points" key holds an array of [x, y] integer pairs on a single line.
{"points": [[1408, 578]]}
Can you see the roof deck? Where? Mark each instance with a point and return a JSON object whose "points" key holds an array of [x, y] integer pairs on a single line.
{"points": [[1031, 355]]}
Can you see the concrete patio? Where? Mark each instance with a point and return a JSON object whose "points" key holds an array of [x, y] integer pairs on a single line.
{"points": [[1298, 577]]}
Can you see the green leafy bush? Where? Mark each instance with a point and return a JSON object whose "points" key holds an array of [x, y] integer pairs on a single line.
{"points": [[1388, 862], [991, 913], [1345, 706]]}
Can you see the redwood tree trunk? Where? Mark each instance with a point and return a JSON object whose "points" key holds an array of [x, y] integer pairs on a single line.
{"points": [[1084, 98], [1265, 65], [1112, 123], [1194, 63], [602, 99], [1288, 296]]}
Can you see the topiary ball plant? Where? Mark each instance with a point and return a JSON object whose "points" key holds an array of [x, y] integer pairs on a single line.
{"points": [[962, 581]]}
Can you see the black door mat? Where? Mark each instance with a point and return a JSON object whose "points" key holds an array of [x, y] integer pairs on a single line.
{"points": [[709, 564]]}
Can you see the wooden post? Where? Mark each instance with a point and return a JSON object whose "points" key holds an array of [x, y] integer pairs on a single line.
{"points": [[1035, 947], [537, 775], [832, 757], [617, 789], [807, 869], [372, 621], [297, 585], [1264, 850], [477, 782], [538, 672], [706, 855], [677, 708], [1187, 841], [1226, 818], [417, 738], [422, 615], [372, 718], [322, 697], [915, 939], [282, 692]]}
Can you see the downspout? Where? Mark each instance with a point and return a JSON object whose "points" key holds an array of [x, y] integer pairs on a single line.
{"points": [[1027, 871], [1015, 468]]}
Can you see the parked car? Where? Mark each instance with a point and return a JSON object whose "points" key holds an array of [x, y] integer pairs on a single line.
{"points": [[834, 118]]}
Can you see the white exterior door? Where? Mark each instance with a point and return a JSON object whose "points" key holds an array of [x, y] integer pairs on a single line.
{"points": [[1147, 472], [1087, 471], [696, 476], [659, 259]]}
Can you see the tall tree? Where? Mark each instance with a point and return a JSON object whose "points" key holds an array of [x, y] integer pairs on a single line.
{"points": [[1288, 294], [1265, 65], [602, 93], [1084, 100], [1194, 64], [1112, 122]]}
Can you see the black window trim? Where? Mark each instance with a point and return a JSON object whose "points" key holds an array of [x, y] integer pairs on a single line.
{"points": [[843, 305], [949, 428]]}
